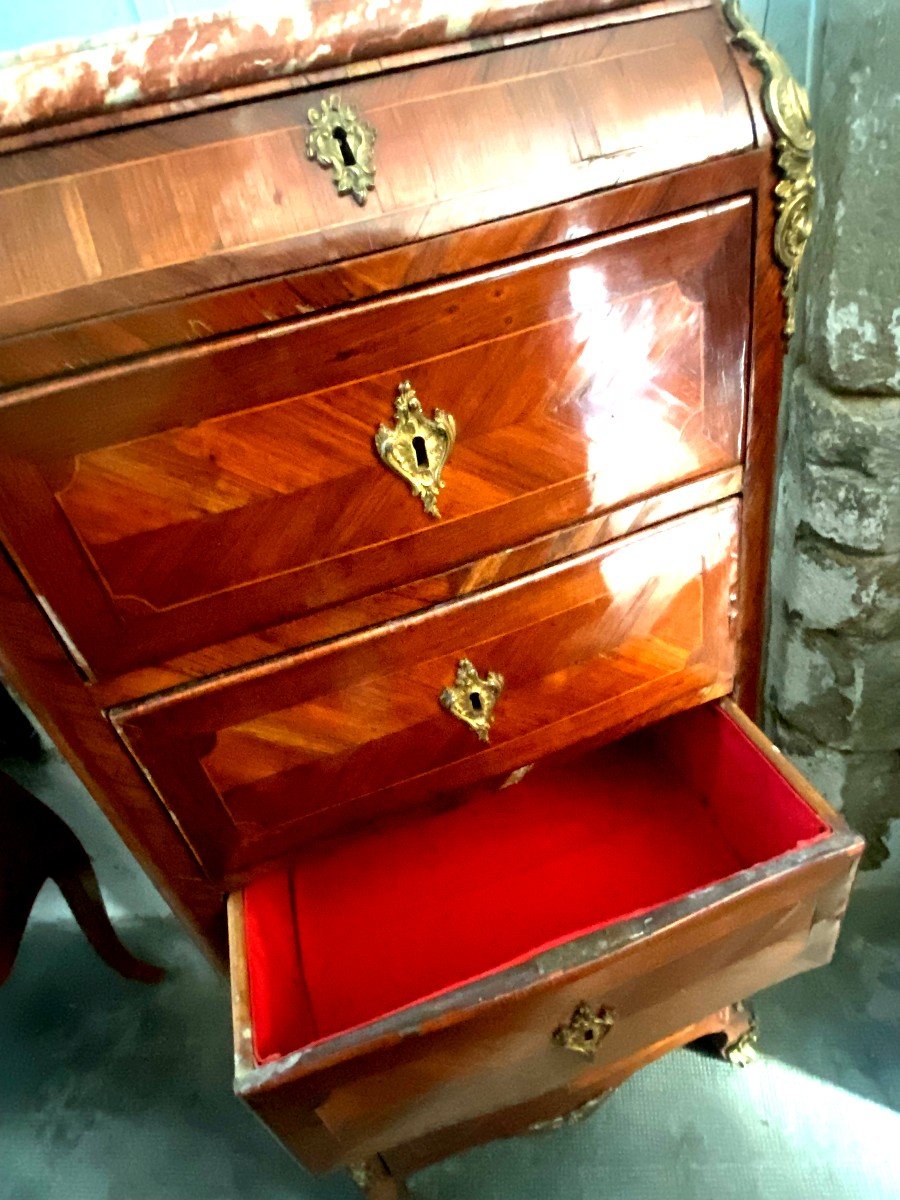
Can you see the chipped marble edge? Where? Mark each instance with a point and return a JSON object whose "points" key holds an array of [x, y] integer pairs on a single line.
{"points": [[151, 63]]}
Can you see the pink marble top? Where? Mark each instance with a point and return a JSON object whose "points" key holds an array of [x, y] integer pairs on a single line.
{"points": [[48, 84]]}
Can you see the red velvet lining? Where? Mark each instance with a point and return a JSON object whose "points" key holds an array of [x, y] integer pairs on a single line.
{"points": [[382, 917]]}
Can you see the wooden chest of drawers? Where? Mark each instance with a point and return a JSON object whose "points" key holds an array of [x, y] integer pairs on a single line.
{"points": [[382, 544]]}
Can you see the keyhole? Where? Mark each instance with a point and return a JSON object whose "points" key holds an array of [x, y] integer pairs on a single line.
{"points": [[340, 136], [421, 451], [475, 701]]}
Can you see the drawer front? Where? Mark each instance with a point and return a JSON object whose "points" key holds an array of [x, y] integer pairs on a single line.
{"points": [[509, 1055], [253, 764], [196, 204], [578, 1016], [189, 499]]}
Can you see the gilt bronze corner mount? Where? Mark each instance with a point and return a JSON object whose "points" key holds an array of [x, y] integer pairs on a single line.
{"points": [[787, 109]]}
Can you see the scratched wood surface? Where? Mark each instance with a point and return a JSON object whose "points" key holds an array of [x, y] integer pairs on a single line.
{"points": [[219, 492], [230, 194], [253, 764]]}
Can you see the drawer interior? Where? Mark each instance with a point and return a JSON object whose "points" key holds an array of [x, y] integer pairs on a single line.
{"points": [[369, 922]]}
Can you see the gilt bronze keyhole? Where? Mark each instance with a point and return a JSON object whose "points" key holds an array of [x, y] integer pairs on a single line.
{"points": [[417, 447], [585, 1029], [341, 141], [472, 699]]}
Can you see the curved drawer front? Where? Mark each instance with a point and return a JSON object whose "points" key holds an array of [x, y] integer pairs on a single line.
{"points": [[190, 205], [214, 493], [543, 941], [264, 759], [513, 1054]]}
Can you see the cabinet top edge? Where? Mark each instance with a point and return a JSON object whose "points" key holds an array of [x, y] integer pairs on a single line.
{"points": [[145, 233]]}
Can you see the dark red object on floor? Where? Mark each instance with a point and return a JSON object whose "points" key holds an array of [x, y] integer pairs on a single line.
{"points": [[37, 845]]}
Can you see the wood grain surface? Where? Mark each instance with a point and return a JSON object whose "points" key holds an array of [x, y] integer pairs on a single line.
{"points": [[217, 197], [221, 491], [423, 1082], [257, 762], [237, 624], [766, 360], [403, 599], [187, 319]]}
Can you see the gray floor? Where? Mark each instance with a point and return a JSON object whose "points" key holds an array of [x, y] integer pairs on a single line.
{"points": [[114, 1091]]}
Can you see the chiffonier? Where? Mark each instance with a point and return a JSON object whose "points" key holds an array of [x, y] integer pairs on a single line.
{"points": [[386, 460]]}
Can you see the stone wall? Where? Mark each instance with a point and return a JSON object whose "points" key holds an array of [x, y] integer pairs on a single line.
{"points": [[833, 682]]}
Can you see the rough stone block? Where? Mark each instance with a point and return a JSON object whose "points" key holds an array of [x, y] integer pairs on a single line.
{"points": [[850, 509], [804, 687], [853, 300], [834, 662], [840, 473], [840, 691], [865, 786], [829, 589], [859, 433]]}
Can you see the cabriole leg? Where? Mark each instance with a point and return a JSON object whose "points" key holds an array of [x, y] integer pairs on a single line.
{"points": [[376, 1182], [733, 1034]]}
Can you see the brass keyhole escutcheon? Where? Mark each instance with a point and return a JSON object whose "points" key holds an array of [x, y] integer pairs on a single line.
{"points": [[585, 1029], [345, 144], [418, 446], [472, 699]]}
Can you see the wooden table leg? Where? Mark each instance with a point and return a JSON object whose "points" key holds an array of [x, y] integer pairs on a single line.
{"points": [[36, 845]]}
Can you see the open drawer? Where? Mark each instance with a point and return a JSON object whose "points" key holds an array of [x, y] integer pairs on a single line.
{"points": [[424, 970]]}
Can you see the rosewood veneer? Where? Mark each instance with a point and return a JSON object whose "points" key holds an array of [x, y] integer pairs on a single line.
{"points": [[384, 536]]}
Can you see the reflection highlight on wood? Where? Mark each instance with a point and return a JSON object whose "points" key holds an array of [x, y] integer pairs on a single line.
{"points": [[578, 380], [255, 763], [239, 630]]}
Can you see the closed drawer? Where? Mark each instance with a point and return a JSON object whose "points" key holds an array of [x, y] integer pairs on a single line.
{"points": [[193, 497], [140, 237], [261, 760], [425, 972]]}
